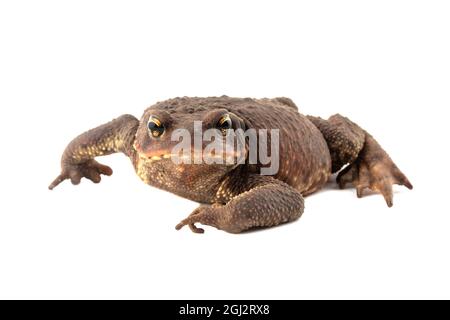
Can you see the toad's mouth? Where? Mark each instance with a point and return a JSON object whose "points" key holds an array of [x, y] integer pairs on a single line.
{"points": [[194, 156], [232, 158], [155, 158]]}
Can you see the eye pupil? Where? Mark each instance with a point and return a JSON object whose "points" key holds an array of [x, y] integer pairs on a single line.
{"points": [[225, 123], [155, 127]]}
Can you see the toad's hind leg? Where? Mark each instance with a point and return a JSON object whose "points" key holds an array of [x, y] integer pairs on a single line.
{"points": [[369, 165], [247, 202]]}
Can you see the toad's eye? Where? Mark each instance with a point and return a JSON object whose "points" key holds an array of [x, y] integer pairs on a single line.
{"points": [[155, 127], [224, 123]]}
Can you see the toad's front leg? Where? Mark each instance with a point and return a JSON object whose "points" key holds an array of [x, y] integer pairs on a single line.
{"points": [[262, 202], [78, 158]]}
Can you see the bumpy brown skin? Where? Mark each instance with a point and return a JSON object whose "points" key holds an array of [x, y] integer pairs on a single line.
{"points": [[236, 198]]}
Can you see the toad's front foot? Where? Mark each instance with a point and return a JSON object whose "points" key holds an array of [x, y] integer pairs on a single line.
{"points": [[90, 169], [373, 170]]}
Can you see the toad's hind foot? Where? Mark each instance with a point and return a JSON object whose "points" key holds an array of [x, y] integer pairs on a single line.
{"points": [[369, 166], [373, 170]]}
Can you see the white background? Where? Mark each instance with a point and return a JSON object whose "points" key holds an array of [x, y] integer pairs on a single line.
{"points": [[68, 66]]}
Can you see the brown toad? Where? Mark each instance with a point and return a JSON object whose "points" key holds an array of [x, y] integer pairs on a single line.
{"points": [[235, 197]]}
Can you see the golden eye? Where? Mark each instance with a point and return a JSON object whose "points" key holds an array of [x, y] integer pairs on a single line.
{"points": [[224, 123], [155, 127]]}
